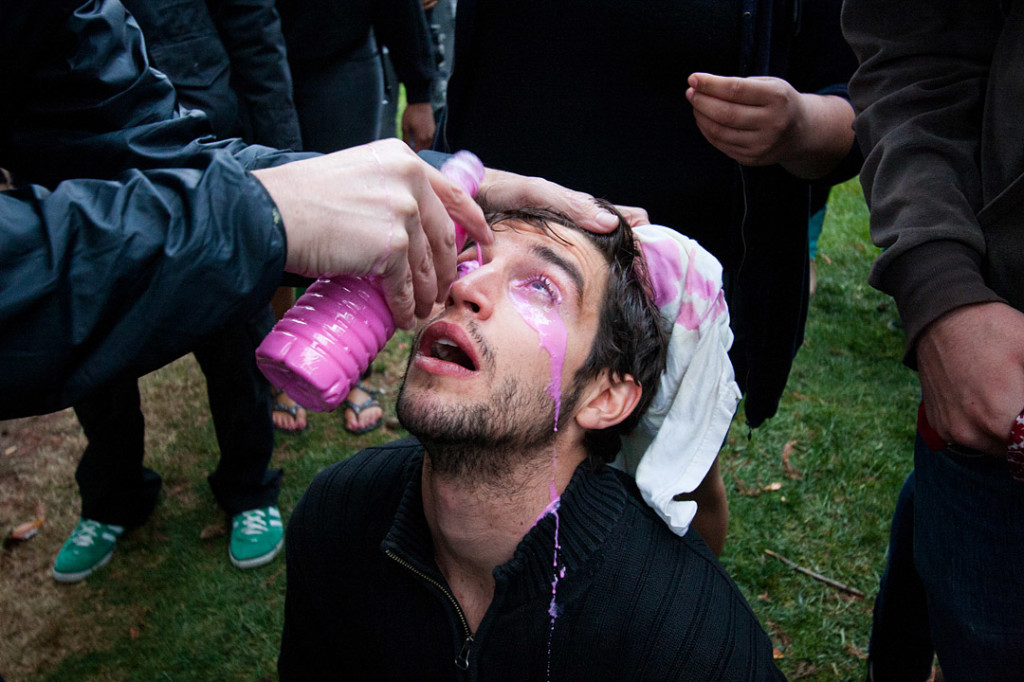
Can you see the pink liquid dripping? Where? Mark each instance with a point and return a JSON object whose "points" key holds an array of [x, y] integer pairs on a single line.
{"points": [[553, 338]]}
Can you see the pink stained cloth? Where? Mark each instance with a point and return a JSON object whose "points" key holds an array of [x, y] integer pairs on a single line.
{"points": [[677, 441]]}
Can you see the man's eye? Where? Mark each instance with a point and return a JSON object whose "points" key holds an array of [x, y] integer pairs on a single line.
{"points": [[466, 267], [541, 289]]}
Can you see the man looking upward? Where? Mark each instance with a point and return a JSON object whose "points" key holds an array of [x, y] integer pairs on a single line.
{"points": [[493, 545]]}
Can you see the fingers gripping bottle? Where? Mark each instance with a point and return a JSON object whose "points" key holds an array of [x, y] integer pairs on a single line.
{"points": [[324, 343]]}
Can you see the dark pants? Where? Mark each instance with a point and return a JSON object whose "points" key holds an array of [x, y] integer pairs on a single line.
{"points": [[339, 102], [116, 488], [955, 576]]}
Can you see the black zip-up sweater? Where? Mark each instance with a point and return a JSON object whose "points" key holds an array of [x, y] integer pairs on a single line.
{"points": [[367, 601]]}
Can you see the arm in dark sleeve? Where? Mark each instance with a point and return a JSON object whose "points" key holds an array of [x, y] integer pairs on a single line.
{"points": [[111, 278], [919, 94], [401, 25], [251, 33]]}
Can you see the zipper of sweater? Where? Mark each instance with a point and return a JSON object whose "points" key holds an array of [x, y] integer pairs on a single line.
{"points": [[462, 660]]}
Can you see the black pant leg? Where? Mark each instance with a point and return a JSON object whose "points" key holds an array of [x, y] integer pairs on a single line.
{"points": [[115, 487], [240, 403]]}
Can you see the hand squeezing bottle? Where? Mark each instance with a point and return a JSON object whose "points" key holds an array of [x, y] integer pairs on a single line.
{"points": [[324, 343]]}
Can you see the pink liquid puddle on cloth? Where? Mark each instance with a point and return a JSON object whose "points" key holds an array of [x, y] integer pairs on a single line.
{"points": [[549, 326]]}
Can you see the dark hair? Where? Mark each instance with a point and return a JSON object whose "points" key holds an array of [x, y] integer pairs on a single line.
{"points": [[631, 336]]}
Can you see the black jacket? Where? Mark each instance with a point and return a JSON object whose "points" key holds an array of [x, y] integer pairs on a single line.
{"points": [[113, 273], [328, 31], [226, 58]]}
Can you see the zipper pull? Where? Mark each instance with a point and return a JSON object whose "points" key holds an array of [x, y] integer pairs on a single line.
{"points": [[462, 660]]}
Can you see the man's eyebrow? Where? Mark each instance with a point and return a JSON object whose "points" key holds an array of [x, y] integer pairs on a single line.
{"points": [[569, 268]]}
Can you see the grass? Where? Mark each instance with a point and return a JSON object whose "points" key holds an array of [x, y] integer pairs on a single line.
{"points": [[815, 484]]}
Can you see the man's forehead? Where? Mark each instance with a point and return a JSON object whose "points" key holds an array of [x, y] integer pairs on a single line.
{"points": [[557, 243]]}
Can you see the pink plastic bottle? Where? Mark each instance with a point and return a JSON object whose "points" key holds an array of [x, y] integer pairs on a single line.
{"points": [[321, 347]]}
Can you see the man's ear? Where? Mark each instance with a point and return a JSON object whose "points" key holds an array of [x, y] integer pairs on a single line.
{"points": [[610, 400]]}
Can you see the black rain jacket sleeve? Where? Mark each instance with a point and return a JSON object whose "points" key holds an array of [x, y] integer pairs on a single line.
{"points": [[114, 273]]}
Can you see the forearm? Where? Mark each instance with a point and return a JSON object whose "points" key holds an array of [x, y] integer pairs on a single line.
{"points": [[824, 136]]}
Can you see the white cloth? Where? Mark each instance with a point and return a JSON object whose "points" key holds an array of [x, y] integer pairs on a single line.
{"points": [[676, 442]]}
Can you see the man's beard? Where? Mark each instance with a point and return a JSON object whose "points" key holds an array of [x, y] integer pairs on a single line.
{"points": [[486, 441]]}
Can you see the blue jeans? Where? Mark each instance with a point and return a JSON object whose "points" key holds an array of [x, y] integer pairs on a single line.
{"points": [[955, 577]]}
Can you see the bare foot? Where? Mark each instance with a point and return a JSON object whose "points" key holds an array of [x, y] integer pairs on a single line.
{"points": [[288, 415], [362, 411]]}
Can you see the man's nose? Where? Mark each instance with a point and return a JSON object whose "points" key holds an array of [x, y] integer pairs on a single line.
{"points": [[475, 291]]}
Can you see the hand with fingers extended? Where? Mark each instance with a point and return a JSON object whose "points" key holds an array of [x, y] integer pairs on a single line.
{"points": [[761, 120], [375, 209], [971, 364], [504, 190]]}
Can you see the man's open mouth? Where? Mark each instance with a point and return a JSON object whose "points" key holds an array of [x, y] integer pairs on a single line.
{"points": [[448, 343]]}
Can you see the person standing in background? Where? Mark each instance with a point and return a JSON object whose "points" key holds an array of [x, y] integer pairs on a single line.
{"points": [[714, 117], [938, 95], [226, 59], [333, 49]]}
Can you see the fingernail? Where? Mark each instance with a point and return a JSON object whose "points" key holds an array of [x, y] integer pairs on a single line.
{"points": [[607, 220]]}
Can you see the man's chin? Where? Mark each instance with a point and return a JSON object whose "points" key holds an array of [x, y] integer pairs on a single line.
{"points": [[426, 414]]}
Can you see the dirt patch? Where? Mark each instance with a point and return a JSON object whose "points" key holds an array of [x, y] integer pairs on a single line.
{"points": [[44, 621], [38, 456]]}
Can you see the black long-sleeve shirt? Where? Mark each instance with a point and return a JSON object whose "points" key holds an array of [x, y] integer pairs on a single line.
{"points": [[591, 95], [226, 58]]}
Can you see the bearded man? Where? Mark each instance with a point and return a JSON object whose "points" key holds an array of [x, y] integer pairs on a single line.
{"points": [[496, 543]]}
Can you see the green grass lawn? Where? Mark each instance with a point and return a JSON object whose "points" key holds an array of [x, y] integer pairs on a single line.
{"points": [[816, 484]]}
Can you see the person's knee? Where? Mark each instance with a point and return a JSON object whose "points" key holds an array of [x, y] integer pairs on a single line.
{"points": [[712, 518]]}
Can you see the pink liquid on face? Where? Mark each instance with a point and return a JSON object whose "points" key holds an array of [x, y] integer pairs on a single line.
{"points": [[553, 337], [550, 327]]}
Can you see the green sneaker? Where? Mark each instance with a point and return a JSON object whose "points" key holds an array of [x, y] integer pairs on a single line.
{"points": [[256, 537], [90, 547]]}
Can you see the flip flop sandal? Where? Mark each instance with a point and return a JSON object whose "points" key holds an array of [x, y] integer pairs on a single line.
{"points": [[358, 409], [293, 410]]}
